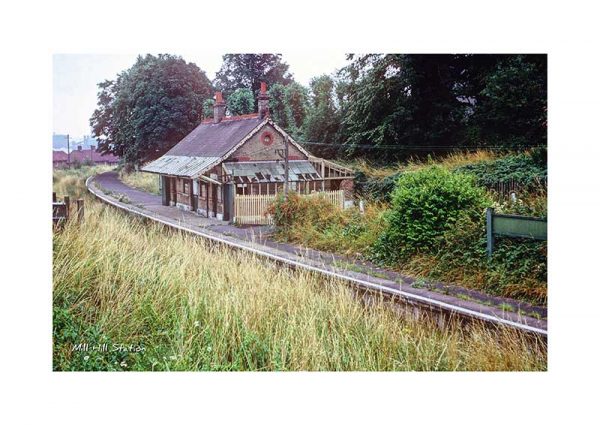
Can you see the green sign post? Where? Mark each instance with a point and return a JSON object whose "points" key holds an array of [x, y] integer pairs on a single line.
{"points": [[516, 226]]}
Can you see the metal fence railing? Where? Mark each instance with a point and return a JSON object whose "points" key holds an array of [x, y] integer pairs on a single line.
{"points": [[504, 188]]}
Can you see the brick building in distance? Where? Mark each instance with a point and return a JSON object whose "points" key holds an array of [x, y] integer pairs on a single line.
{"points": [[242, 155], [82, 156]]}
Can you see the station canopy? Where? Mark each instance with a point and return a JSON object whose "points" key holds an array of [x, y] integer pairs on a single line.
{"points": [[270, 171]]}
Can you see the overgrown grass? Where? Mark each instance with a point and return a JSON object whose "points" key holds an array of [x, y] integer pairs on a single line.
{"points": [[144, 181], [449, 161], [518, 268], [312, 222], [71, 181], [376, 183], [185, 305]]}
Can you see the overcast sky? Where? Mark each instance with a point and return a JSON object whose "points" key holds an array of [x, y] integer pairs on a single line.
{"points": [[75, 79]]}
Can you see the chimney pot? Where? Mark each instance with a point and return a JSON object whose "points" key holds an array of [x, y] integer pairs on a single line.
{"points": [[263, 101], [218, 108]]}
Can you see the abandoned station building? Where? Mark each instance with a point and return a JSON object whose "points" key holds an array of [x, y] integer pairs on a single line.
{"points": [[241, 155]]}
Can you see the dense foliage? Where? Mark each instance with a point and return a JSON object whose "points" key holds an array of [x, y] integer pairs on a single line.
{"points": [[394, 105], [240, 102], [517, 269], [288, 106], [249, 70], [208, 108], [322, 124], [525, 169], [425, 204], [380, 106], [511, 106], [149, 107]]}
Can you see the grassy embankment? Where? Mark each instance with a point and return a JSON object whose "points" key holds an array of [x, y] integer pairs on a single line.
{"points": [[118, 280], [518, 268], [143, 181]]}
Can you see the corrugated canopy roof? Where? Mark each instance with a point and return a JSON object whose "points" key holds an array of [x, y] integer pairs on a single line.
{"points": [[270, 171], [185, 166]]}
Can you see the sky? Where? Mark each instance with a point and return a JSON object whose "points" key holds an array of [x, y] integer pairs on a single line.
{"points": [[75, 79]]}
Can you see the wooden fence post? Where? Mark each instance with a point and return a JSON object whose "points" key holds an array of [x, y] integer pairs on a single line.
{"points": [[80, 212], [489, 215], [67, 206], [53, 197]]}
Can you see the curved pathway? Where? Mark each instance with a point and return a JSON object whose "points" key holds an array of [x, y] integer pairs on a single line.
{"points": [[448, 299]]}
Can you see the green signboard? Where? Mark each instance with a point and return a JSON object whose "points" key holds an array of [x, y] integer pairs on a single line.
{"points": [[515, 226], [520, 227]]}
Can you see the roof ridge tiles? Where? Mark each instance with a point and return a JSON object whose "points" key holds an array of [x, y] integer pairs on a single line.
{"points": [[232, 118]]}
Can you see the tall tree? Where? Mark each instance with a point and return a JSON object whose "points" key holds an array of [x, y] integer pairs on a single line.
{"points": [[424, 103], [297, 102], [512, 104], [404, 100], [149, 107], [288, 106], [240, 102], [322, 123], [278, 107], [248, 70]]}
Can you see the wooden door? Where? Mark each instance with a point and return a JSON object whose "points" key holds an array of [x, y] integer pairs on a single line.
{"points": [[194, 195], [214, 199]]}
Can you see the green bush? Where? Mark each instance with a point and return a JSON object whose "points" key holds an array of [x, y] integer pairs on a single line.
{"points": [[524, 169], [425, 204]]}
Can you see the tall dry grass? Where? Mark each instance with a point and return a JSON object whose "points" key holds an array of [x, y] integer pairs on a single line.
{"points": [[71, 181], [186, 305], [450, 161], [144, 181]]}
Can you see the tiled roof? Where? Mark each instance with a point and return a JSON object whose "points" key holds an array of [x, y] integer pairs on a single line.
{"points": [[204, 146], [214, 140], [233, 118]]}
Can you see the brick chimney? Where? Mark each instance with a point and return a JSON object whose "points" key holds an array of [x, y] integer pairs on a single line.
{"points": [[79, 147], [218, 108], [263, 101]]}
